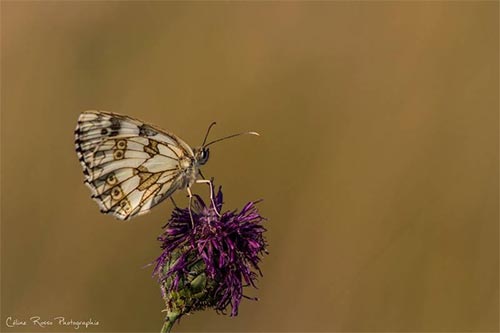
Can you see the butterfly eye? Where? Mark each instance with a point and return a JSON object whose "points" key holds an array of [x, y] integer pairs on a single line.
{"points": [[204, 153]]}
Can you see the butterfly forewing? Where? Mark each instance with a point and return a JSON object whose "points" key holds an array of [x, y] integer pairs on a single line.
{"points": [[129, 166]]}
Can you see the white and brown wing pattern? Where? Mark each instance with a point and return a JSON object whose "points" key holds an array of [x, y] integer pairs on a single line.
{"points": [[129, 166]]}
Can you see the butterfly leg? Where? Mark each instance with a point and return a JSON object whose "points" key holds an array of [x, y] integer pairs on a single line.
{"points": [[173, 202], [205, 181], [189, 207]]}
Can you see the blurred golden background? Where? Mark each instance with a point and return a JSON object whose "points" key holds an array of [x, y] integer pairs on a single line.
{"points": [[378, 160]]}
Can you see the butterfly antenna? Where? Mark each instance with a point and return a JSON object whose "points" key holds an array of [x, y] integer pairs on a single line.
{"points": [[231, 136], [208, 131]]}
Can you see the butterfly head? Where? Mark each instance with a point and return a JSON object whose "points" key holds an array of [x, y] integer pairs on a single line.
{"points": [[201, 155]]}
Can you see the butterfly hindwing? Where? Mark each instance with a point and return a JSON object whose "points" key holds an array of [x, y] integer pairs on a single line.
{"points": [[129, 166]]}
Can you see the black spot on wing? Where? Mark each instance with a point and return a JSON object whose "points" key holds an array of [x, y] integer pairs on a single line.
{"points": [[115, 123], [115, 126], [145, 130]]}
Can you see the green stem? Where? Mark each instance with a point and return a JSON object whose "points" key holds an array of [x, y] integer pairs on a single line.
{"points": [[170, 320], [167, 326]]}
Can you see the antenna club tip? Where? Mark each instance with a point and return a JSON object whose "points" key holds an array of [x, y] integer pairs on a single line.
{"points": [[254, 133]]}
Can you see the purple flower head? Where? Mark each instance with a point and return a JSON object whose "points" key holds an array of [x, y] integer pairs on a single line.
{"points": [[207, 261]]}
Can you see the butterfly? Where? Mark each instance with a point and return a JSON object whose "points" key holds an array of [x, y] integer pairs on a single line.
{"points": [[131, 166]]}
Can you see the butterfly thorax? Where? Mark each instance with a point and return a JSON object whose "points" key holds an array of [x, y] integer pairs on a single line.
{"points": [[190, 166], [189, 172]]}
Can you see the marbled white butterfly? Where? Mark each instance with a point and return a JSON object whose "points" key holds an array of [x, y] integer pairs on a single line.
{"points": [[131, 166]]}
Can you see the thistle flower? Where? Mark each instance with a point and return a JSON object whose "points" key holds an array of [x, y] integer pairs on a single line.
{"points": [[207, 261]]}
